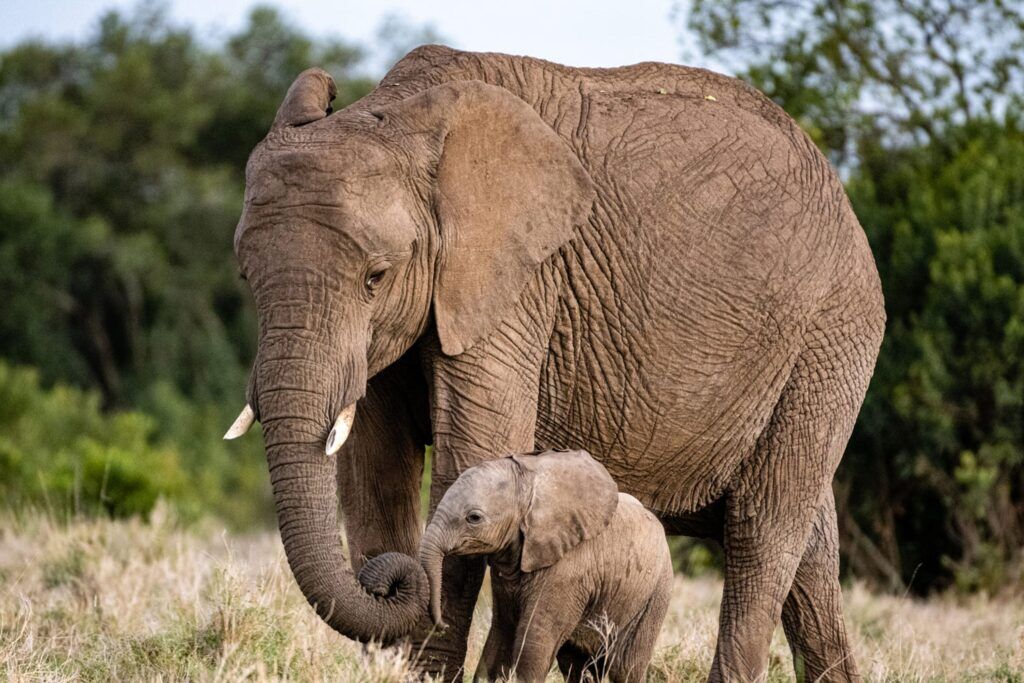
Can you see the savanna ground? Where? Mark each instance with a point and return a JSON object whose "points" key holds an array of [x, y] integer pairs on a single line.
{"points": [[129, 600]]}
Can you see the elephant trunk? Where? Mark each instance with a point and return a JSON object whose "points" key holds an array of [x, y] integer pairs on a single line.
{"points": [[294, 413], [437, 543]]}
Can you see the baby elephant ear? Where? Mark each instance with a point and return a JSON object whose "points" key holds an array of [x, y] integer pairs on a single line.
{"points": [[309, 99], [571, 498]]}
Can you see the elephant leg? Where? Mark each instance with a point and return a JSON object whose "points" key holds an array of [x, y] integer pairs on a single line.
{"points": [[579, 666], [813, 612], [629, 660], [380, 467], [540, 635], [576, 665], [497, 654], [758, 571], [772, 506], [443, 654], [483, 406]]}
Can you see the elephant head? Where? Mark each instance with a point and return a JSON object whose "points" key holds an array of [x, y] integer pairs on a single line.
{"points": [[542, 505], [361, 231]]}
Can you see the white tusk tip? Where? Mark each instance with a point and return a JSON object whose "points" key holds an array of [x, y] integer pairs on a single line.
{"points": [[241, 424], [332, 446], [342, 428]]}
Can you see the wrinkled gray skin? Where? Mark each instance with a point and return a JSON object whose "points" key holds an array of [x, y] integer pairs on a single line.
{"points": [[495, 254], [578, 570]]}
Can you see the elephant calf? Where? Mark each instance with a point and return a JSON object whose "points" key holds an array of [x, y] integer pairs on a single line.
{"points": [[579, 571]]}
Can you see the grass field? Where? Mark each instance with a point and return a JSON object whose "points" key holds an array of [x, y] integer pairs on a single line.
{"points": [[100, 600]]}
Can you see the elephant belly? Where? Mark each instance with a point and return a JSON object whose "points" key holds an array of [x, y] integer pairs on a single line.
{"points": [[670, 435]]}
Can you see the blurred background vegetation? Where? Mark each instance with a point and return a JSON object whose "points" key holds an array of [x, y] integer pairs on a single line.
{"points": [[125, 334]]}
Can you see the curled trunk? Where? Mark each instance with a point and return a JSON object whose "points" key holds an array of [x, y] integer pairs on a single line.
{"points": [[305, 496]]}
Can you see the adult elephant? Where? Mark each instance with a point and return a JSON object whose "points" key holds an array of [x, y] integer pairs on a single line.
{"points": [[497, 254]]}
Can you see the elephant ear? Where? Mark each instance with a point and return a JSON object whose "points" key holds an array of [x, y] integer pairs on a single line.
{"points": [[509, 192], [572, 498], [308, 99]]}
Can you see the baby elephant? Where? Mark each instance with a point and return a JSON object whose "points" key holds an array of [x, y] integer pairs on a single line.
{"points": [[579, 571]]}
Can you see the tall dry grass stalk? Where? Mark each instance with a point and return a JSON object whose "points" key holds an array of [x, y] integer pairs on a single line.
{"points": [[101, 600]]}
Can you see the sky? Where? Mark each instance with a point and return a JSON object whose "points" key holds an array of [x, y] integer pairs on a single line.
{"points": [[574, 32]]}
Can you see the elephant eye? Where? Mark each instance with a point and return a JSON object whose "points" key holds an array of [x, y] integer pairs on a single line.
{"points": [[374, 278], [474, 517]]}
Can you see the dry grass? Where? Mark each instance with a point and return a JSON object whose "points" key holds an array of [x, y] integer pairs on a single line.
{"points": [[130, 601]]}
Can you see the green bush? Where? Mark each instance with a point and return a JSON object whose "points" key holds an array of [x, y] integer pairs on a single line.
{"points": [[933, 481], [60, 451], [122, 161]]}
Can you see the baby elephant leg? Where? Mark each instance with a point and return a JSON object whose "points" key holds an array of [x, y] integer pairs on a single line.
{"points": [[578, 666], [496, 659], [542, 629], [628, 659], [496, 652]]}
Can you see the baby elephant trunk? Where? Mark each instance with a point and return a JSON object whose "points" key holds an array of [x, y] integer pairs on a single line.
{"points": [[436, 544]]}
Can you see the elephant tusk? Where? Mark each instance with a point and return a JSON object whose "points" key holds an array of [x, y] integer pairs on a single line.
{"points": [[241, 424], [342, 428]]}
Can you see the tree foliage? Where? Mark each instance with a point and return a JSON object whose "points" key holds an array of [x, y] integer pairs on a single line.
{"points": [[59, 448], [934, 476], [122, 161], [854, 70]]}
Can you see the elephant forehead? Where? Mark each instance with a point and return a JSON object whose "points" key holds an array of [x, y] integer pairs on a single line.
{"points": [[486, 482], [365, 206], [329, 174], [384, 229]]}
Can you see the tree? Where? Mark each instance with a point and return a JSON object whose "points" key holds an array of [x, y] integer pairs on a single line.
{"points": [[395, 36], [850, 70], [934, 476], [129, 151]]}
